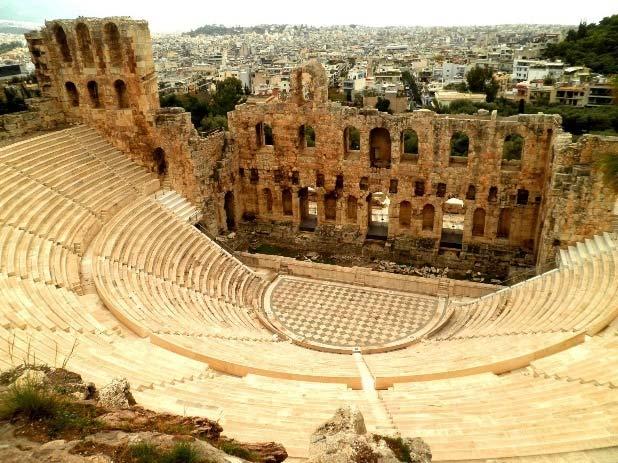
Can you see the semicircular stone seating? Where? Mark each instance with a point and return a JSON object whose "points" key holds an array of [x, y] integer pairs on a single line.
{"points": [[527, 371]]}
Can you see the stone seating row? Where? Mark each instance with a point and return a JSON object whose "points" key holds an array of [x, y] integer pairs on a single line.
{"points": [[97, 357], [574, 298], [158, 242], [487, 416], [255, 408], [27, 255], [147, 303], [35, 305]]}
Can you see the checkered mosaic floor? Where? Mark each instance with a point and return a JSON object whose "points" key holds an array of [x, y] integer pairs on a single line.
{"points": [[348, 316]]}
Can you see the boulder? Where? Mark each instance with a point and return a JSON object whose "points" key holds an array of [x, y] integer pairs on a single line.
{"points": [[344, 439], [267, 452], [116, 394]]}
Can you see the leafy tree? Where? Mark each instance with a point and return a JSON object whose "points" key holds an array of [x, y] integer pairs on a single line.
{"points": [[409, 80], [481, 80], [214, 122], [591, 45]]}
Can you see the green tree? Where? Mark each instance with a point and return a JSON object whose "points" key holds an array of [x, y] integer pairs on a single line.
{"points": [[481, 80], [408, 79]]}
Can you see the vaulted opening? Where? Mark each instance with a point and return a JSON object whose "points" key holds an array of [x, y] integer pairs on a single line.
{"points": [[286, 201], [452, 224], [61, 40], [308, 208], [429, 213], [122, 99], [504, 223], [380, 148], [409, 143], [478, 222], [112, 41], [352, 209], [405, 214], [72, 94], [158, 156], [229, 207], [93, 93], [83, 42], [377, 215]]}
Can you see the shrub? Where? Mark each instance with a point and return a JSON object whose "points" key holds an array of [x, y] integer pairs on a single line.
{"points": [[30, 400], [608, 163], [236, 450], [146, 452]]}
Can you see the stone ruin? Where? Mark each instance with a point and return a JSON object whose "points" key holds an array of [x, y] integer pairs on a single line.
{"points": [[303, 165]]}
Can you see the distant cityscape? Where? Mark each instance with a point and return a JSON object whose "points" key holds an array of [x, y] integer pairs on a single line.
{"points": [[364, 64]]}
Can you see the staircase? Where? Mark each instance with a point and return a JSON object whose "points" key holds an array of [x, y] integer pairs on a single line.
{"points": [[587, 249], [179, 205]]}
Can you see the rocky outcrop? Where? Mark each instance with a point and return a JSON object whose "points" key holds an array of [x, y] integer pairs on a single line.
{"points": [[344, 439], [116, 394]]}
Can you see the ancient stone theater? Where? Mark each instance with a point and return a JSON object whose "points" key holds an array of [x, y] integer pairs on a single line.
{"points": [[119, 224]]}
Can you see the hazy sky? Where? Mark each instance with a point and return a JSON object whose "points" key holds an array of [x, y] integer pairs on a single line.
{"points": [[183, 15]]}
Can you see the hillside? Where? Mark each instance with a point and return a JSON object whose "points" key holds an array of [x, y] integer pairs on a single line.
{"points": [[591, 45]]}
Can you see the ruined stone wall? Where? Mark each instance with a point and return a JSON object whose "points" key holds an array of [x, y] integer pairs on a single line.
{"points": [[579, 203], [43, 114], [288, 164], [101, 72]]}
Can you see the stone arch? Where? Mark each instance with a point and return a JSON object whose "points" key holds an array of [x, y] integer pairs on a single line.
{"points": [[513, 147], [309, 83], [330, 206], [93, 93], [72, 93], [83, 42], [352, 209], [286, 201], [478, 222], [306, 136], [405, 214], [460, 144], [492, 197], [230, 211], [471, 193], [429, 213], [504, 223], [112, 41], [60, 37], [122, 99], [409, 145], [522, 196], [380, 147], [268, 200], [377, 215], [308, 208], [351, 139], [158, 157], [453, 218]]}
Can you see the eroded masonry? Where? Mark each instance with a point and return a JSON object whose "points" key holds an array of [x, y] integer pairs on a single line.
{"points": [[461, 191]]}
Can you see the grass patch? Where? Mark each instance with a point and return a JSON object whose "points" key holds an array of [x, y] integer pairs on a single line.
{"points": [[32, 402], [236, 450], [146, 452]]}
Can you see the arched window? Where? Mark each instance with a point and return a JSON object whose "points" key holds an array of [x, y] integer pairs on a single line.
{"points": [[61, 40], [114, 48], [158, 156], [93, 92], [380, 147], [409, 144], [405, 213], [460, 143], [478, 222], [268, 135], [286, 201], [122, 100], [429, 213], [513, 147], [268, 200], [352, 209], [306, 137], [83, 41], [330, 206], [72, 93], [492, 197], [230, 214], [471, 193], [504, 223], [522, 196], [351, 139]]}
